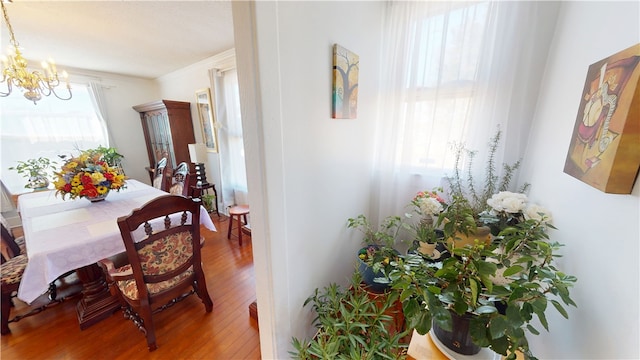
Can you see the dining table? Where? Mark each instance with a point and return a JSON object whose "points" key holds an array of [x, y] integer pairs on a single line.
{"points": [[64, 235]]}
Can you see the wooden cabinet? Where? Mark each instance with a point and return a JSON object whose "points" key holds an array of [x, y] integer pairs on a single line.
{"points": [[167, 128]]}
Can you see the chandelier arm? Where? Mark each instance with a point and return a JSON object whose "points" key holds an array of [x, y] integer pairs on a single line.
{"points": [[35, 83]]}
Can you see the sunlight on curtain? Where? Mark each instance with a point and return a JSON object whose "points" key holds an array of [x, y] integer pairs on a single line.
{"points": [[232, 161], [52, 127], [453, 72]]}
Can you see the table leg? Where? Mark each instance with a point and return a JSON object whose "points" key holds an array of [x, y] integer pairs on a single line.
{"points": [[97, 303]]}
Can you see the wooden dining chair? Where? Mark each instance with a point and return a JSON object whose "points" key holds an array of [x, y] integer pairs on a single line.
{"points": [[179, 179], [164, 263], [160, 175], [13, 262]]}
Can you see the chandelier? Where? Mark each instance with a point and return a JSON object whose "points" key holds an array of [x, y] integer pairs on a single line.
{"points": [[35, 83]]}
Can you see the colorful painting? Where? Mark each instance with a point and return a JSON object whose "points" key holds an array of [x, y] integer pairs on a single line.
{"points": [[345, 83], [605, 146]]}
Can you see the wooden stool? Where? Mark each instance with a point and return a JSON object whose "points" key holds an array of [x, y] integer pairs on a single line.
{"points": [[237, 212]]}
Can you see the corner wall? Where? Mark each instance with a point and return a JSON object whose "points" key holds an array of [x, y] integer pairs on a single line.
{"points": [[601, 231], [307, 172]]}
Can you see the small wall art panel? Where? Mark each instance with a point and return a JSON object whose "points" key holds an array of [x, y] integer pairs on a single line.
{"points": [[605, 145], [345, 83]]}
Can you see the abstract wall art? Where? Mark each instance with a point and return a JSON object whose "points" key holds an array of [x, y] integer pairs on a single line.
{"points": [[605, 145]]}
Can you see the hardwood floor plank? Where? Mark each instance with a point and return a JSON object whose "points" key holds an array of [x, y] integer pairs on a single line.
{"points": [[184, 331]]}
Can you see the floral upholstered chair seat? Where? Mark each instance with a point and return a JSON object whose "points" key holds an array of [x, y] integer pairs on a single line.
{"points": [[129, 287], [12, 270]]}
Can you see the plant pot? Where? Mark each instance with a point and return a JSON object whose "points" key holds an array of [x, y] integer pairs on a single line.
{"points": [[369, 276], [482, 233], [38, 182], [428, 249], [459, 338], [97, 198]]}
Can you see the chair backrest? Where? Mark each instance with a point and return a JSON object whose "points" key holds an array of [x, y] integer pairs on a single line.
{"points": [[159, 174], [170, 244], [179, 180]]}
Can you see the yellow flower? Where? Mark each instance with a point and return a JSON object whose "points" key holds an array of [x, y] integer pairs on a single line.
{"points": [[75, 181], [102, 189], [97, 178]]}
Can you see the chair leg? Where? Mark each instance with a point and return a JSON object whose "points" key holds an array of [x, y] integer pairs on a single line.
{"points": [[5, 309], [145, 314], [200, 286]]}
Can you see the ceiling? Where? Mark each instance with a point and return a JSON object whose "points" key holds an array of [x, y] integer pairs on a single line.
{"points": [[146, 39]]}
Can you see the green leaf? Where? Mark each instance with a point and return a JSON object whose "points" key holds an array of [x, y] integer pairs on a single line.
{"points": [[533, 330], [486, 309], [513, 270], [513, 314], [560, 309], [486, 268], [500, 345], [498, 327]]}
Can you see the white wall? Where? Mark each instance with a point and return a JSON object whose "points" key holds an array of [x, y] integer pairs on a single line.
{"points": [[601, 231], [307, 173], [182, 84]]}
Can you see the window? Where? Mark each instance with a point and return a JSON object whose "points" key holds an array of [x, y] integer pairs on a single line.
{"points": [[454, 72], [50, 128]]}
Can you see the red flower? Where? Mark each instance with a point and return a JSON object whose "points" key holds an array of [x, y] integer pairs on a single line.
{"points": [[109, 176], [89, 191], [67, 187], [86, 180]]}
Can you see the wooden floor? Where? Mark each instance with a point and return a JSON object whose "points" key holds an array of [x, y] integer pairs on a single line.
{"points": [[184, 331]]}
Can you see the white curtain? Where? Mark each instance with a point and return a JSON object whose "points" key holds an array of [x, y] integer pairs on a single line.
{"points": [[52, 127], [232, 161], [454, 72]]}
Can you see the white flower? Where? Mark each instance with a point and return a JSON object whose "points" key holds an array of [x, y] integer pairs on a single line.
{"points": [[506, 201], [539, 213], [429, 206]]}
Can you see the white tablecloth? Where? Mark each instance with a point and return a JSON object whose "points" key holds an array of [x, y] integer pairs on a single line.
{"points": [[64, 235]]}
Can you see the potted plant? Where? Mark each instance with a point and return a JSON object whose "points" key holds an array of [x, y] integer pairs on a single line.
{"points": [[426, 206], [353, 324], [470, 196], [486, 294], [36, 171], [379, 251]]}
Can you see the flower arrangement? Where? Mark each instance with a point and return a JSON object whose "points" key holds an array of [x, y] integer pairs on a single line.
{"points": [[428, 203], [88, 175], [508, 209]]}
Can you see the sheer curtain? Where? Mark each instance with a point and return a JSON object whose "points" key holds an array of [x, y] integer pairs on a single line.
{"points": [[454, 72], [52, 127], [232, 161]]}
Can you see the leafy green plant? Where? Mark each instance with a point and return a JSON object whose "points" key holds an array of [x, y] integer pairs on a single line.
{"points": [[108, 154], [352, 324], [34, 170], [379, 243], [463, 184], [504, 284]]}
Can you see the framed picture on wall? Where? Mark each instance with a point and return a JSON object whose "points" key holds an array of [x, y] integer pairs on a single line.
{"points": [[604, 146], [346, 64], [207, 120]]}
